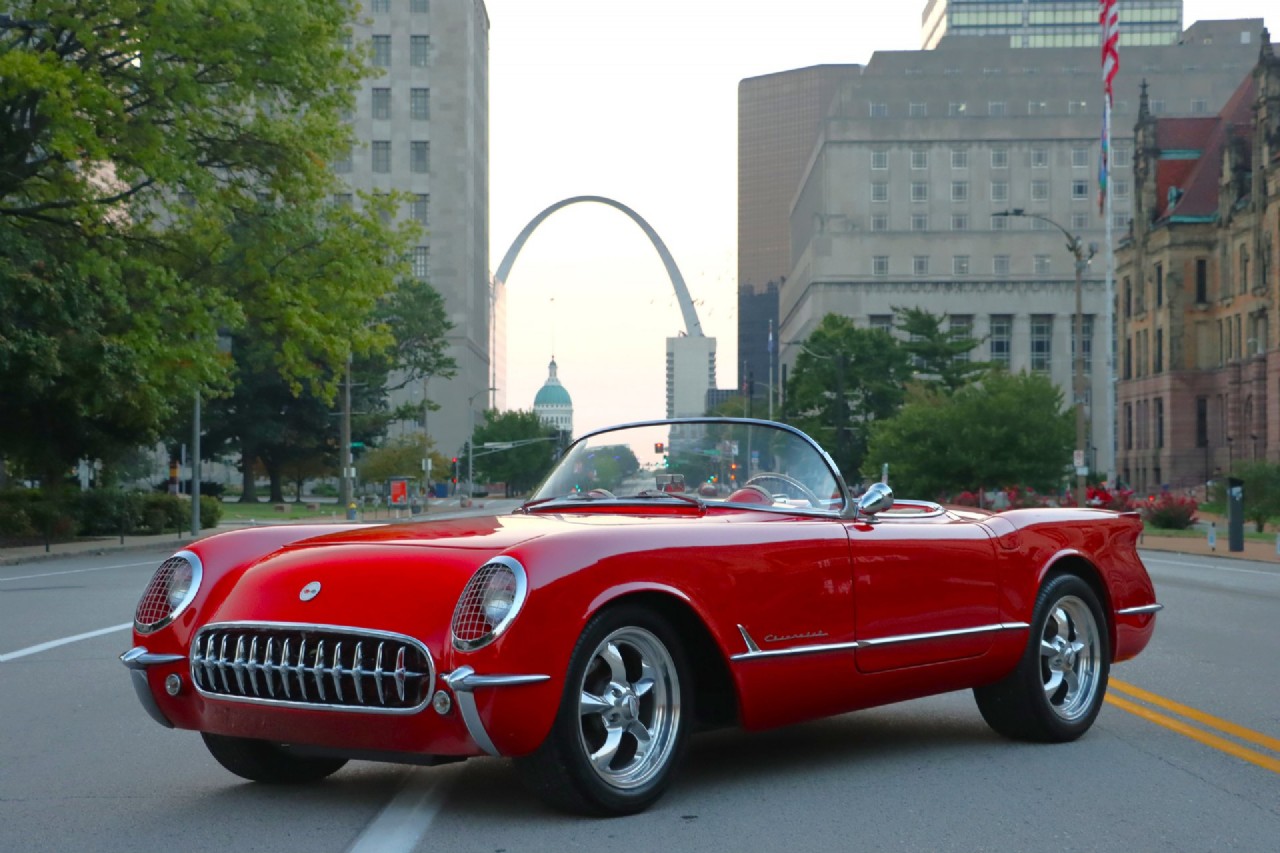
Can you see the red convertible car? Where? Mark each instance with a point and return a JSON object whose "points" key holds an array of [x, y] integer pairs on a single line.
{"points": [[588, 634]]}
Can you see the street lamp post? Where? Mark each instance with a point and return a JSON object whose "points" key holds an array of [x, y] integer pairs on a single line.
{"points": [[1082, 256], [224, 347], [471, 439]]}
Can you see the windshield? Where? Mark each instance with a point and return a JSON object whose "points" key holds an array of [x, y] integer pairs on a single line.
{"points": [[714, 461]]}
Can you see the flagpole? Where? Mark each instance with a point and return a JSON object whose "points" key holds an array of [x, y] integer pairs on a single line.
{"points": [[771, 382], [1109, 320]]}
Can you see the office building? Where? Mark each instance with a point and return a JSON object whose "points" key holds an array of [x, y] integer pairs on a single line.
{"points": [[1058, 23], [423, 128]]}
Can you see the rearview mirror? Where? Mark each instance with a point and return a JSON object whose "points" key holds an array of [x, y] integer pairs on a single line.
{"points": [[877, 498]]}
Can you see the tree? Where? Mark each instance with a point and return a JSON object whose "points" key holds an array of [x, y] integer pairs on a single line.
{"points": [[1261, 491], [402, 457], [134, 136], [937, 353], [845, 380], [526, 462], [1005, 430]]}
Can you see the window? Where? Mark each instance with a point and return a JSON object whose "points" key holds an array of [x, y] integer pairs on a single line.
{"points": [[1080, 157], [419, 51], [1199, 106], [382, 157], [999, 223], [343, 200], [1202, 280], [879, 222], [882, 322], [920, 264], [880, 265], [1159, 362], [1202, 421], [1128, 427], [381, 7], [1159, 285], [959, 158], [1157, 106], [1076, 108], [1037, 108], [997, 108], [382, 104], [919, 222], [919, 191], [1001, 337], [999, 158], [382, 51], [420, 157], [1079, 190], [959, 222], [420, 104], [1000, 265], [1038, 224], [1086, 332], [1079, 221], [879, 110], [879, 191], [917, 110], [1120, 188], [960, 265], [1041, 265], [919, 158], [959, 190], [1120, 221], [1041, 341], [1120, 156], [420, 211], [961, 328], [419, 7], [1039, 157], [1000, 191], [1159, 423], [1039, 192], [880, 159], [957, 108], [342, 165], [421, 255]]}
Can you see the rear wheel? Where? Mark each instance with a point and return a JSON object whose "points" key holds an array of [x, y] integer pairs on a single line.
{"points": [[263, 761], [1057, 690], [623, 721]]}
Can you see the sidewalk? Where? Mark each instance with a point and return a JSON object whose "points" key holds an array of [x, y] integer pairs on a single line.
{"points": [[10, 556]]}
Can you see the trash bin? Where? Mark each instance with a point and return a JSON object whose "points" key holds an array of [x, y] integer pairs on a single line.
{"points": [[442, 490], [351, 511]]}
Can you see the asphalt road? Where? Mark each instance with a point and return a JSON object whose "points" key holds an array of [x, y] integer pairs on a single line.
{"points": [[83, 768]]}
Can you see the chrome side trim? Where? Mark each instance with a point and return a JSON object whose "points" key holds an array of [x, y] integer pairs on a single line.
{"points": [[139, 658], [936, 635], [746, 638], [795, 650], [1146, 608], [463, 681]]}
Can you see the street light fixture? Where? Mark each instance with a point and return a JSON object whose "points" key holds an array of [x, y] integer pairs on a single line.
{"points": [[1082, 255], [471, 439]]}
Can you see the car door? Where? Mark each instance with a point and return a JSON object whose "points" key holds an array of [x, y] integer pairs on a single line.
{"points": [[925, 589]]}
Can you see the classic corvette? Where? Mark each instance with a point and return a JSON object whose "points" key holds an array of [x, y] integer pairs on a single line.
{"points": [[666, 576]]}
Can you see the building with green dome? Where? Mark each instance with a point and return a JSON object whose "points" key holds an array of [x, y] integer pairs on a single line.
{"points": [[553, 405]]}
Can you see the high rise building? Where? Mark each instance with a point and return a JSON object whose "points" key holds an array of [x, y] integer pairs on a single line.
{"points": [[423, 128], [691, 372], [1051, 23]]}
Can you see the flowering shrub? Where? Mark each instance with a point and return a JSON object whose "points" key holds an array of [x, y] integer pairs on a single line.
{"points": [[965, 499], [1169, 512], [1021, 497]]}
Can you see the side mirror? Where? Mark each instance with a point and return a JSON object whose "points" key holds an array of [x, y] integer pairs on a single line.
{"points": [[877, 498]]}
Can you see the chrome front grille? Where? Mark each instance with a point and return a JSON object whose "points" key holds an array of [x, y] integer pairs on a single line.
{"points": [[314, 666]]}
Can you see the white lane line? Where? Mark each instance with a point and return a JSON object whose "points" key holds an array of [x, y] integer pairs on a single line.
{"points": [[53, 644], [1210, 566], [78, 571], [402, 824]]}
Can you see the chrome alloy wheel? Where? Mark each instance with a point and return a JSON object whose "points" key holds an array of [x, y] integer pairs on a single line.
{"points": [[1070, 663], [629, 708]]}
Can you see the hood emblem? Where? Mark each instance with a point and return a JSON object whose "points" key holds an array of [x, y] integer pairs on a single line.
{"points": [[310, 591]]}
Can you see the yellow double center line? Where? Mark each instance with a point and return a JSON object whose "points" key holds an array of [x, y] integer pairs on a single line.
{"points": [[1208, 738]]}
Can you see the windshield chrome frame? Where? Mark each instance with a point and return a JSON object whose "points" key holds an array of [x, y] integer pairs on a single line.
{"points": [[847, 511]]}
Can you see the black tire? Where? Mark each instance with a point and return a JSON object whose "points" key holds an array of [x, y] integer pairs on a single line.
{"points": [[1056, 691], [609, 707], [263, 761]]}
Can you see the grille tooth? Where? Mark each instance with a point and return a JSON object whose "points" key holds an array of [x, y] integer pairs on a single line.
{"points": [[326, 656]]}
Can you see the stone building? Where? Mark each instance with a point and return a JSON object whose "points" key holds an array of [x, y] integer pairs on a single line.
{"points": [[1198, 280], [552, 404]]}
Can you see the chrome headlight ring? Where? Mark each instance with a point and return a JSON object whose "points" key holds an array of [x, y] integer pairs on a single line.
{"points": [[170, 591], [489, 603]]}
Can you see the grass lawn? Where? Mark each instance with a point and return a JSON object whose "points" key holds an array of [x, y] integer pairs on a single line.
{"points": [[263, 511]]}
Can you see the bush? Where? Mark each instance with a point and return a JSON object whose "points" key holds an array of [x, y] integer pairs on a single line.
{"points": [[210, 511], [28, 514], [1169, 512]]}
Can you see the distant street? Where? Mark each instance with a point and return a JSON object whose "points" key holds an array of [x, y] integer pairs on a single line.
{"points": [[83, 768]]}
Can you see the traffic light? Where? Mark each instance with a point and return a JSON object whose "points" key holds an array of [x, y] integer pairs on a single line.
{"points": [[455, 470], [733, 472], [666, 462], [659, 447]]}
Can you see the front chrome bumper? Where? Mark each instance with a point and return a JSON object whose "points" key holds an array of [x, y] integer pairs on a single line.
{"points": [[137, 659], [463, 681]]}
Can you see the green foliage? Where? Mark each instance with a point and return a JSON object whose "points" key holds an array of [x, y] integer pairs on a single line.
{"points": [[401, 457], [1261, 491], [33, 515], [520, 466], [936, 352], [1169, 512], [845, 380], [1006, 429]]}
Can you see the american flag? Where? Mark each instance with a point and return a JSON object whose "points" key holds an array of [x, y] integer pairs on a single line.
{"points": [[1109, 18]]}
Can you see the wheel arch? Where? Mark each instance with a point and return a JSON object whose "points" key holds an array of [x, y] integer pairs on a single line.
{"points": [[1077, 564], [715, 696]]}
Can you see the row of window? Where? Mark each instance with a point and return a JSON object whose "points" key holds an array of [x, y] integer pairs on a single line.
{"points": [[1080, 157], [1080, 220], [961, 265], [380, 158], [383, 7], [419, 104], [419, 51], [1081, 190], [1149, 414], [1000, 109], [418, 209], [1000, 337]]}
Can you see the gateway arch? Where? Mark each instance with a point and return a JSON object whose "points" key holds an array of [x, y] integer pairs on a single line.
{"points": [[692, 326]]}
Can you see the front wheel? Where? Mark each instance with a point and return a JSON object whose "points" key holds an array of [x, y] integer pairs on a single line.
{"points": [[1057, 690], [262, 761], [623, 721]]}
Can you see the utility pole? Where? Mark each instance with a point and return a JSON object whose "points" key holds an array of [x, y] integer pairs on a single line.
{"points": [[344, 455]]}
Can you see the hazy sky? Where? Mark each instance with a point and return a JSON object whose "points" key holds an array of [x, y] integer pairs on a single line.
{"points": [[638, 101]]}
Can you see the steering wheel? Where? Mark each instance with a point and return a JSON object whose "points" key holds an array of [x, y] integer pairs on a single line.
{"points": [[793, 487]]}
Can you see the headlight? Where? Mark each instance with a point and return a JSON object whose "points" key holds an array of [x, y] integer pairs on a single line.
{"points": [[488, 604], [172, 588]]}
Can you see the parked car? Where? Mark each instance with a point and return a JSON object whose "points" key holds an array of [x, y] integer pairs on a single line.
{"points": [[588, 634]]}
